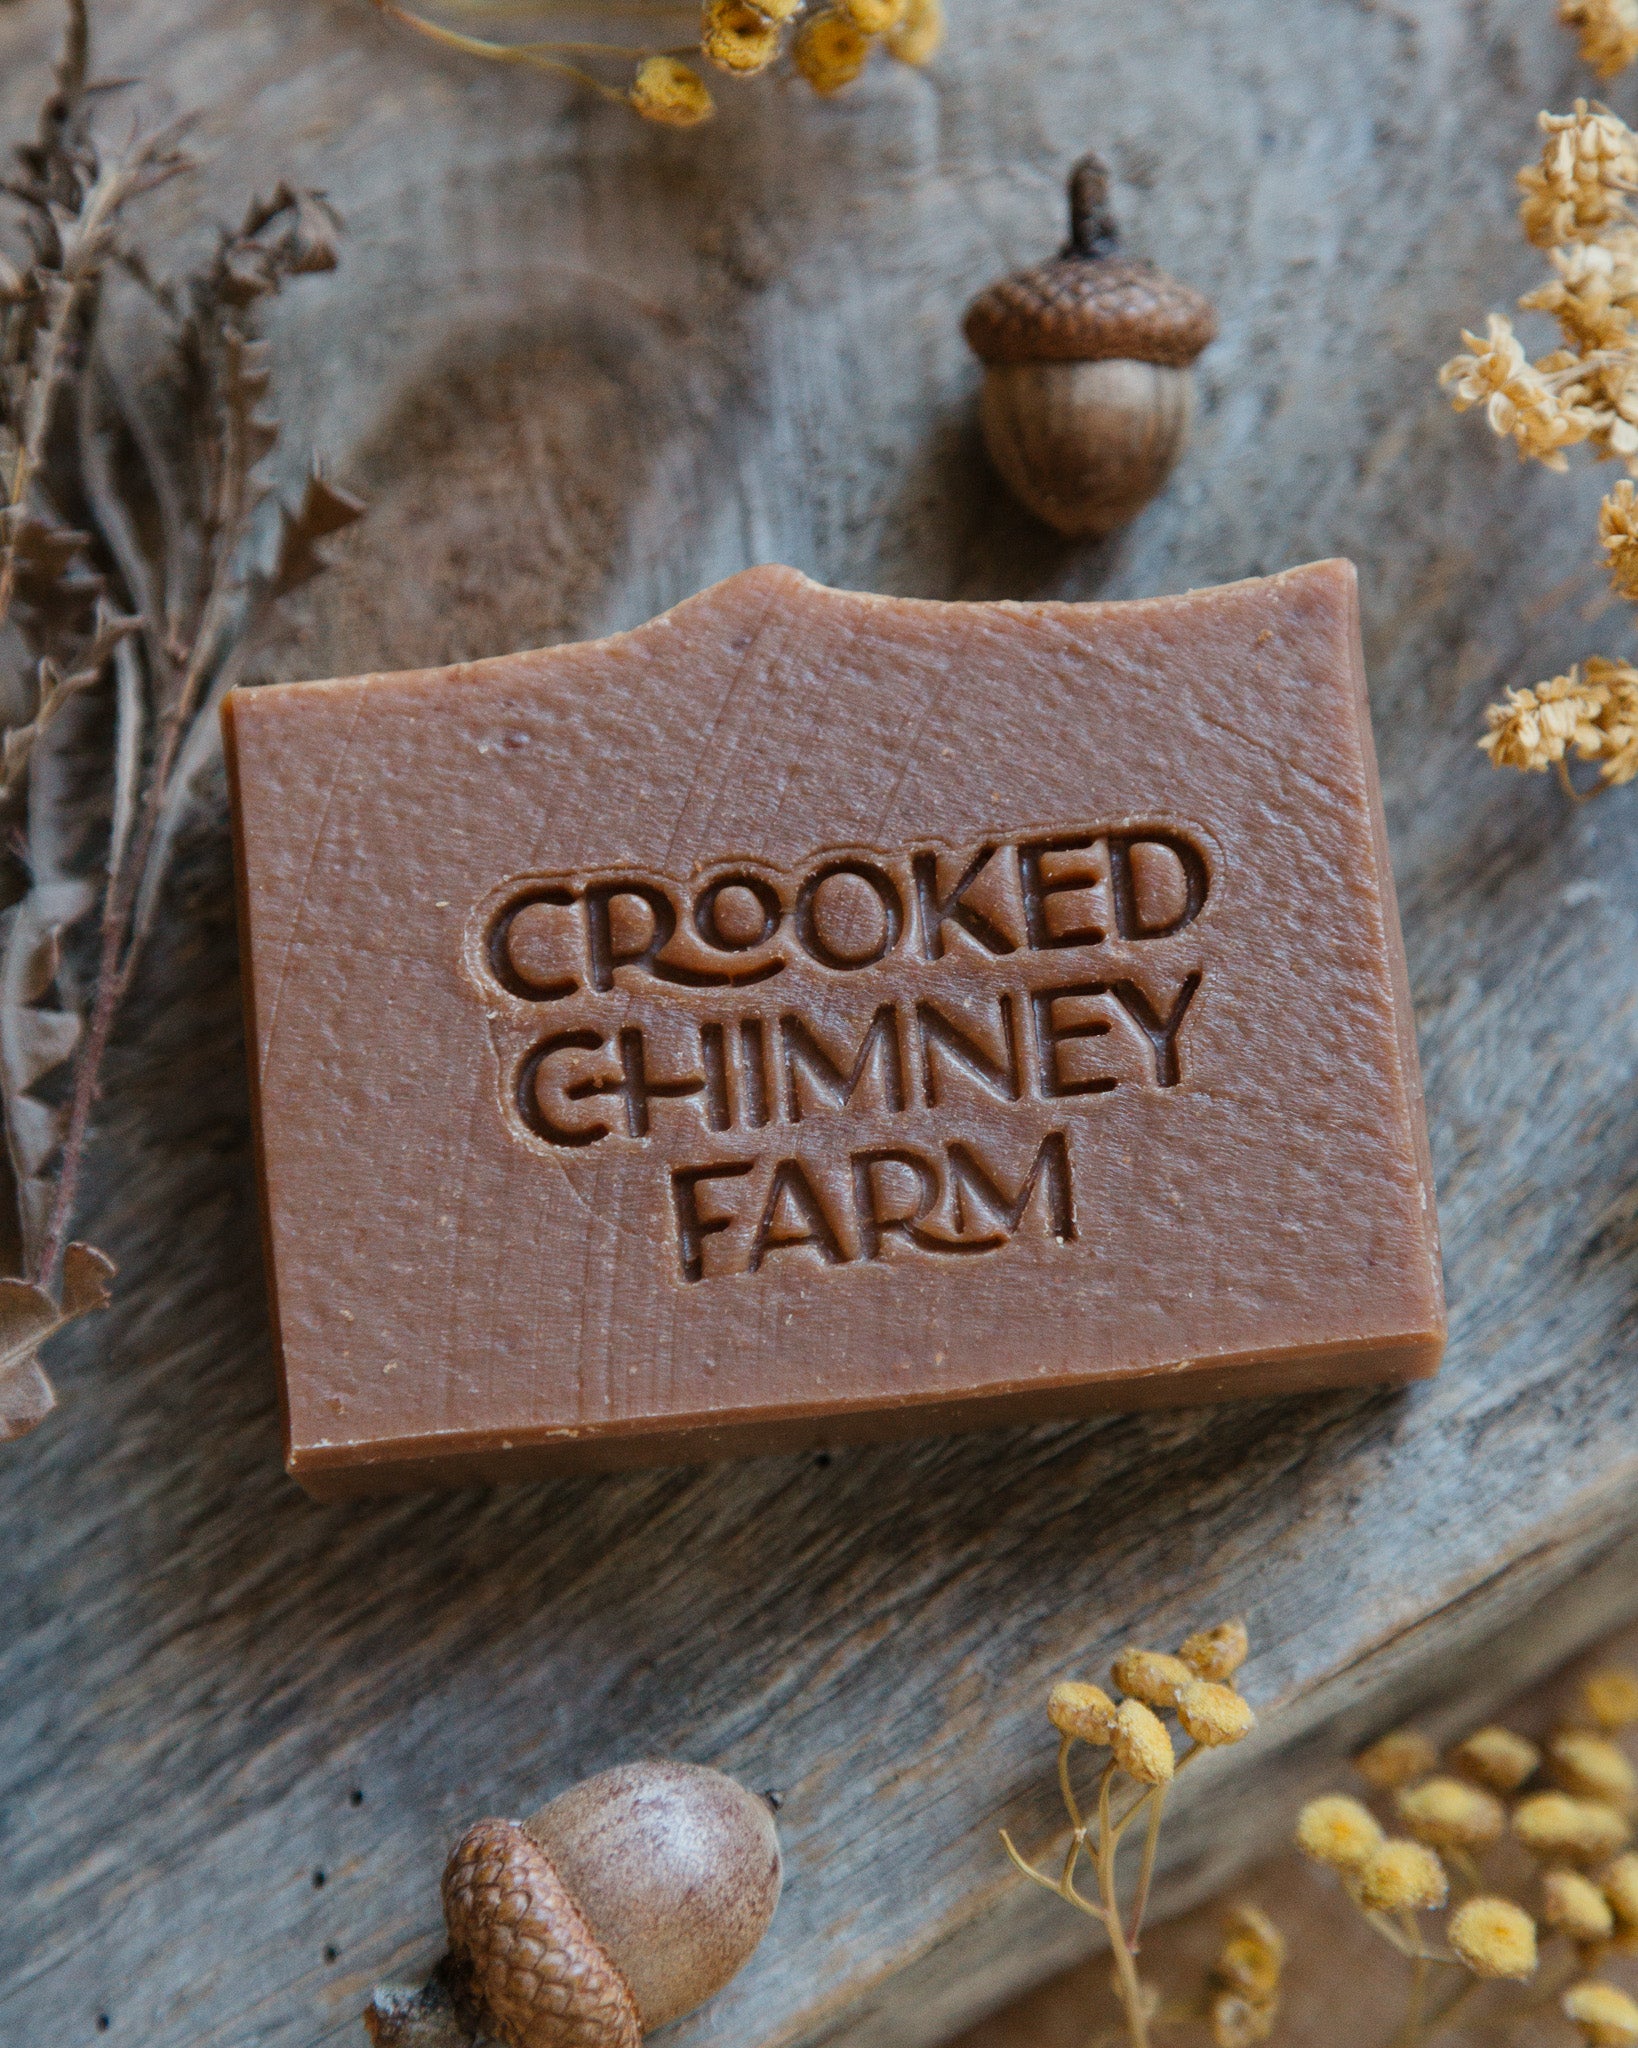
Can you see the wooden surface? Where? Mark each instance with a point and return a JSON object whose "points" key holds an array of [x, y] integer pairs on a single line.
{"points": [[582, 367]]}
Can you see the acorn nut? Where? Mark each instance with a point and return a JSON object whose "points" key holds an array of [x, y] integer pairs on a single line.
{"points": [[1088, 386], [623, 1904]]}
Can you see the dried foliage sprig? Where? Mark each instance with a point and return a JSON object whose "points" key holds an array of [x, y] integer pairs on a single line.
{"points": [[828, 47], [1577, 205], [1197, 1688], [1563, 1812], [139, 547]]}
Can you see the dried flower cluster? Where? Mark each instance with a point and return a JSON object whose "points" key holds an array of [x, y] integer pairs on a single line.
{"points": [[138, 547], [1608, 30], [1196, 1686], [827, 44], [1577, 205], [1567, 1804]]}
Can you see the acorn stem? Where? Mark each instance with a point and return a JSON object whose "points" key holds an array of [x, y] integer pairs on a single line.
{"points": [[1092, 229]]}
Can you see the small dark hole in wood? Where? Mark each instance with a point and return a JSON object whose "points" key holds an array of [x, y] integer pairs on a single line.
{"points": [[103, 2023], [318, 1880], [822, 1459], [355, 1797], [330, 1951], [775, 1799]]}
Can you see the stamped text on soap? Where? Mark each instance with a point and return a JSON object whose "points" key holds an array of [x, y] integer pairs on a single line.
{"points": [[872, 1055]]}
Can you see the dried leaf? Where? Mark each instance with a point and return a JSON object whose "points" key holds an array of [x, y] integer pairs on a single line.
{"points": [[324, 509], [28, 1316]]}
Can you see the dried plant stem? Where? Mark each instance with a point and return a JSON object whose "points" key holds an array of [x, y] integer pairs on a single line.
{"points": [[1126, 1978]]}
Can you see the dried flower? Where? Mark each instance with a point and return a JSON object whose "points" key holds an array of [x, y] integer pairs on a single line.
{"points": [[1450, 1814], [1083, 1711], [830, 51], [1497, 1758], [1592, 711], [1213, 1715], [1611, 1697], [1608, 31], [1403, 1877], [1338, 1831], [1396, 1759], [920, 33], [1620, 1884], [874, 17], [1142, 1747], [668, 91], [1494, 1938], [1555, 1824], [1253, 1953], [1591, 1767], [1151, 1676], [1589, 163], [1520, 398], [1240, 2022], [1218, 1652], [1606, 2017], [1573, 1905], [737, 37]]}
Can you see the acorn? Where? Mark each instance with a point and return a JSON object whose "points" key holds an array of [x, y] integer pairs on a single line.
{"points": [[623, 1904], [1088, 386]]}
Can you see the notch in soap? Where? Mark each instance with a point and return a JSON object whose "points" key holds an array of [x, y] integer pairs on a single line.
{"points": [[816, 1016]]}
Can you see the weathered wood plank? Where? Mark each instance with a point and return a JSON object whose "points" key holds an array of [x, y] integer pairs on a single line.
{"points": [[581, 368]]}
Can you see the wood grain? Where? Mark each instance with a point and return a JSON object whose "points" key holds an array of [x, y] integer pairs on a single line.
{"points": [[581, 368]]}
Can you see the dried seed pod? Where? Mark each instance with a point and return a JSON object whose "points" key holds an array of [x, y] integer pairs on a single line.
{"points": [[621, 1905], [1088, 389]]}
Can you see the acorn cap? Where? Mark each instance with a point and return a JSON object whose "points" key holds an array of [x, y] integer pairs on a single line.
{"points": [[528, 1969], [1090, 304]]}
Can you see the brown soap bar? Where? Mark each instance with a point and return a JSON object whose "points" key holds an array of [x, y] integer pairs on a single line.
{"points": [[815, 1016]]}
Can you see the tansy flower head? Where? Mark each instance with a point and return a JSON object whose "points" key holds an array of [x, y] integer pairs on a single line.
{"points": [[1497, 1758], [1213, 1715], [1151, 1676], [1553, 1824], [738, 37], [1494, 1938], [1611, 1697], [1241, 2022], [1604, 2016], [1141, 1745], [1574, 1906], [1592, 1767], [1620, 1884], [780, 10], [1218, 1652], [875, 17], [665, 90], [1253, 1954], [1083, 1711], [1450, 1814], [1338, 1831], [1396, 1759], [919, 34], [1608, 30], [1402, 1877], [830, 51]]}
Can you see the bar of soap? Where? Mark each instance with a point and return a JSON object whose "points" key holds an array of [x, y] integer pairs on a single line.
{"points": [[815, 1016]]}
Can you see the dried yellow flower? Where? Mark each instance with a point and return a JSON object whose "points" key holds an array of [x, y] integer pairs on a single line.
{"points": [[1593, 293], [1253, 1954], [1618, 532], [1620, 1883], [1240, 2022], [1213, 1715], [875, 17], [780, 10], [1519, 398], [830, 51], [1403, 1877], [1338, 1831], [1497, 1758], [1589, 162], [1573, 1905], [667, 91], [1216, 1652], [1554, 1824], [738, 37], [1494, 1938], [1592, 1767], [1450, 1814], [1084, 1711], [1608, 31], [920, 34], [1592, 711], [1611, 1697], [1396, 1759], [1151, 1676], [1606, 2017], [1142, 1747]]}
